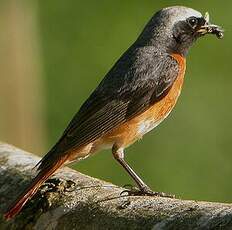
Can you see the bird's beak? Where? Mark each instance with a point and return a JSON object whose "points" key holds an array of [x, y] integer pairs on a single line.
{"points": [[209, 28]]}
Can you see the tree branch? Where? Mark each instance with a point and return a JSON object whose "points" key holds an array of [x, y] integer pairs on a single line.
{"points": [[71, 200]]}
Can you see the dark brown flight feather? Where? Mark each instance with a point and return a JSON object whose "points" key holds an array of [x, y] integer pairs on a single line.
{"points": [[115, 101]]}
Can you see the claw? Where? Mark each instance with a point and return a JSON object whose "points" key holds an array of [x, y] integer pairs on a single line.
{"points": [[145, 192]]}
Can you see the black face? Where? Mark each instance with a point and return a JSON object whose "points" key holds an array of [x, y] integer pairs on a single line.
{"points": [[195, 24], [187, 31]]}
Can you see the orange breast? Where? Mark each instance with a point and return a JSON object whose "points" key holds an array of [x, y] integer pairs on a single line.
{"points": [[135, 128]]}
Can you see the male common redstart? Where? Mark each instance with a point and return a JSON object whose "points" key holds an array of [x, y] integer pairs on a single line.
{"points": [[135, 96]]}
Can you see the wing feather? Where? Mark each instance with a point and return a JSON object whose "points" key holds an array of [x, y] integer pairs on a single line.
{"points": [[123, 94]]}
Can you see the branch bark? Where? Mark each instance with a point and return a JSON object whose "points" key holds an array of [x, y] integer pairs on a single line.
{"points": [[71, 200]]}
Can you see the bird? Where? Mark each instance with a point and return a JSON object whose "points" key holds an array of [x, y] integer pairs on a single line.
{"points": [[134, 97]]}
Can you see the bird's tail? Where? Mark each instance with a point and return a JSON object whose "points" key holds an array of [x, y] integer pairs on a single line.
{"points": [[32, 188]]}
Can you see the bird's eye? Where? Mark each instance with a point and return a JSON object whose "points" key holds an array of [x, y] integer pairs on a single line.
{"points": [[192, 21]]}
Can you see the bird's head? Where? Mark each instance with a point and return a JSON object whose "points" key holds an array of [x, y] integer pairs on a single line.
{"points": [[176, 28]]}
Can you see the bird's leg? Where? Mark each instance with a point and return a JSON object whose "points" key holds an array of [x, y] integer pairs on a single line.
{"points": [[144, 189]]}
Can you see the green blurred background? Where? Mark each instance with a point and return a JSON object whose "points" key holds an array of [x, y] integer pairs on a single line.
{"points": [[54, 53]]}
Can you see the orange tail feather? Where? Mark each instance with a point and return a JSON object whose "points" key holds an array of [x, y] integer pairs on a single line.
{"points": [[43, 175]]}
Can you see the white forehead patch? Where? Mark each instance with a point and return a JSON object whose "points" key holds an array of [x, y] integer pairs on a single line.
{"points": [[179, 13]]}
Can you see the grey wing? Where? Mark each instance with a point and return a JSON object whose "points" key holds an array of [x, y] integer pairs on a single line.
{"points": [[114, 102]]}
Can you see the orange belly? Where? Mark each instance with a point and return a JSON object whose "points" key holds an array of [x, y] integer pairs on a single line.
{"points": [[134, 129], [127, 133]]}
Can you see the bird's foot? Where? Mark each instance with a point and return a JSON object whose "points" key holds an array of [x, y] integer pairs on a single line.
{"points": [[145, 191]]}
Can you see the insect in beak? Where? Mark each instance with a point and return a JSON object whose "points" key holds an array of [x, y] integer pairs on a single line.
{"points": [[209, 28]]}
